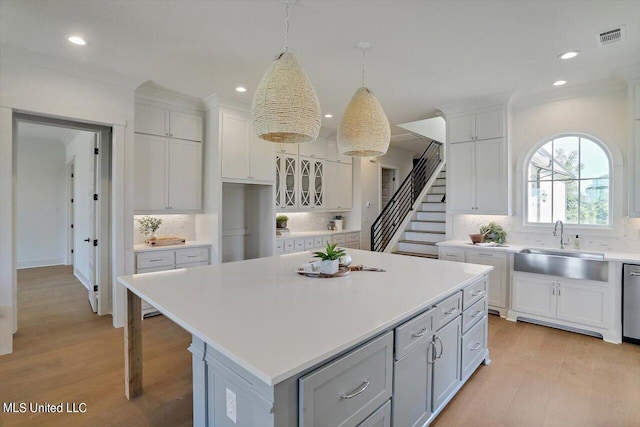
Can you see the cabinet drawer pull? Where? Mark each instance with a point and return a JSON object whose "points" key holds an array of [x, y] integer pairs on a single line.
{"points": [[193, 256], [156, 260], [422, 333], [483, 254], [477, 292], [477, 313], [633, 273], [360, 389], [475, 346], [453, 310], [432, 360]]}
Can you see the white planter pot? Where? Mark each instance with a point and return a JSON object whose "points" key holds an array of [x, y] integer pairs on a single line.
{"points": [[330, 267]]}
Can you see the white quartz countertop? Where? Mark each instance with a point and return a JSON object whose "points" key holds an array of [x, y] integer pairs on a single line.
{"points": [[188, 244], [608, 255], [276, 323], [293, 235]]}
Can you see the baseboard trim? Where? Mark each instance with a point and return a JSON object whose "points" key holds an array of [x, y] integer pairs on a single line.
{"points": [[81, 278], [42, 262]]}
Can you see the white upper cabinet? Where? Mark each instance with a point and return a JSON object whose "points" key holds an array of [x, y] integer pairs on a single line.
{"points": [[332, 153], [162, 121], [478, 164], [338, 180], [311, 182], [244, 156], [637, 109], [287, 148], [315, 149], [168, 159], [472, 127], [168, 174]]}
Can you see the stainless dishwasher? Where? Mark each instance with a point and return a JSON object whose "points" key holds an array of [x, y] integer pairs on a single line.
{"points": [[631, 303]]}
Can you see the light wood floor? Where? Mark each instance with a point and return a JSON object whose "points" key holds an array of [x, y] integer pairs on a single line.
{"points": [[539, 377]]}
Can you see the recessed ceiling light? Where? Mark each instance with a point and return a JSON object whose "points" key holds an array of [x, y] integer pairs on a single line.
{"points": [[570, 54], [328, 116], [241, 89], [560, 83], [77, 40]]}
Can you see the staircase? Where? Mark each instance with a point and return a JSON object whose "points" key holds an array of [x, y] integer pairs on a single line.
{"points": [[427, 226]]}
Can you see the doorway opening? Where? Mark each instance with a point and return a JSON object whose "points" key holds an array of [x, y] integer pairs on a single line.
{"points": [[389, 176], [63, 204]]}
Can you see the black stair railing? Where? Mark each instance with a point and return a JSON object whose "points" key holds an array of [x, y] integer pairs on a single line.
{"points": [[401, 203]]}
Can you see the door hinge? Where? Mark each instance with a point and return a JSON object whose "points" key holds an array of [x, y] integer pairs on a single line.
{"points": [[71, 225], [71, 200], [71, 175], [95, 242], [95, 288], [71, 250], [96, 151], [95, 197]]}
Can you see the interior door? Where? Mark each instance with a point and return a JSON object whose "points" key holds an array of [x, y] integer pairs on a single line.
{"points": [[93, 224]]}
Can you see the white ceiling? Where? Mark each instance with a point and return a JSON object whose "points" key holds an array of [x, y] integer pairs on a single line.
{"points": [[423, 53]]}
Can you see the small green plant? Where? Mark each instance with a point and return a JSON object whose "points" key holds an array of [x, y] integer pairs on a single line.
{"points": [[149, 225], [493, 233], [282, 218], [330, 254]]}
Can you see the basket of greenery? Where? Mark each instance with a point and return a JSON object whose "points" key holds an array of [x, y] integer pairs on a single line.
{"points": [[281, 221], [493, 233], [330, 263], [148, 226]]}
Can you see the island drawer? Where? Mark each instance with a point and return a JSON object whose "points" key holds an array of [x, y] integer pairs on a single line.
{"points": [[473, 293], [308, 243], [317, 242], [380, 418], [352, 237], [188, 256], [448, 309], [410, 334], [474, 344], [299, 245], [473, 315], [155, 259], [345, 392], [338, 239]]}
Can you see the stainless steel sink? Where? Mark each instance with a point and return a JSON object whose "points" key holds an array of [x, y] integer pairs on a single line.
{"points": [[574, 265]]}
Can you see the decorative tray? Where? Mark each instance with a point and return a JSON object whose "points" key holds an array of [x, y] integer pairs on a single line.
{"points": [[165, 241], [343, 271]]}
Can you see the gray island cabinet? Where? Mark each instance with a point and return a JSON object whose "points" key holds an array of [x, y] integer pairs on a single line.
{"points": [[273, 348]]}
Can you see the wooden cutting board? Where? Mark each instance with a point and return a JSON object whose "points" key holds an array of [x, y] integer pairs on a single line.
{"points": [[165, 241]]}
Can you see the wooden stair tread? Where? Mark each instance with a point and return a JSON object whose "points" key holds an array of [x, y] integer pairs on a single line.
{"points": [[418, 242], [425, 231], [416, 254], [428, 220], [432, 211]]}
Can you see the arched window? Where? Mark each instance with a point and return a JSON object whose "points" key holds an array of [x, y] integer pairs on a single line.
{"points": [[569, 179]]}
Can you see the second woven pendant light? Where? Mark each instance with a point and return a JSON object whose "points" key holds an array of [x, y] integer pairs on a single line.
{"points": [[364, 130]]}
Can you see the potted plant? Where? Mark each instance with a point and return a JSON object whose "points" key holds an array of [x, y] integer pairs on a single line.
{"points": [[493, 233], [330, 263], [281, 221], [148, 226]]}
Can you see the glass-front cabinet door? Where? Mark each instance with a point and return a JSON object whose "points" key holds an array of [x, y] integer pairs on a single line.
{"points": [[286, 185], [310, 183], [318, 188]]}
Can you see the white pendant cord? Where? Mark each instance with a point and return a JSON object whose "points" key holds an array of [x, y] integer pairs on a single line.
{"points": [[286, 29], [363, 67]]}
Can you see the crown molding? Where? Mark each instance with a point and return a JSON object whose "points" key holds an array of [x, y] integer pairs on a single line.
{"points": [[216, 101], [498, 99], [152, 91]]}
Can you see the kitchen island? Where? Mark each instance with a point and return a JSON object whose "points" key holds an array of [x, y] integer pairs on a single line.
{"points": [[274, 348]]}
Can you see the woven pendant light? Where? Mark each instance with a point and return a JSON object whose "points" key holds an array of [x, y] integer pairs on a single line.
{"points": [[285, 107], [364, 130]]}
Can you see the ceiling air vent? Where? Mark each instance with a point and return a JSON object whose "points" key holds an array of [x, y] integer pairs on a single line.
{"points": [[611, 36]]}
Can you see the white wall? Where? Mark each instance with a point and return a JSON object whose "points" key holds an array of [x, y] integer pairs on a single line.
{"points": [[370, 186], [28, 87], [80, 149], [41, 203], [602, 114]]}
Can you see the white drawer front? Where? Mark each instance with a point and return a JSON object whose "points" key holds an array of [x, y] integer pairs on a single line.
{"points": [[474, 314], [279, 246], [352, 237], [473, 293], [308, 243], [325, 240], [193, 264], [317, 242], [338, 238], [155, 259], [289, 246], [412, 333], [299, 245], [474, 344], [448, 309], [188, 256], [346, 391]]}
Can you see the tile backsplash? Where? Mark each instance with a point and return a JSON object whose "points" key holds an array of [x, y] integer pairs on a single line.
{"points": [[183, 226], [314, 221], [625, 240]]}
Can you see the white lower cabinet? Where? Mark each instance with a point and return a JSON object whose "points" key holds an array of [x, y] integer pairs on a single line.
{"points": [[348, 240], [498, 277], [169, 259], [578, 302], [446, 366]]}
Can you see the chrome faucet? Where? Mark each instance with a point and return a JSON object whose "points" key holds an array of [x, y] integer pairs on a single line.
{"points": [[555, 232]]}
